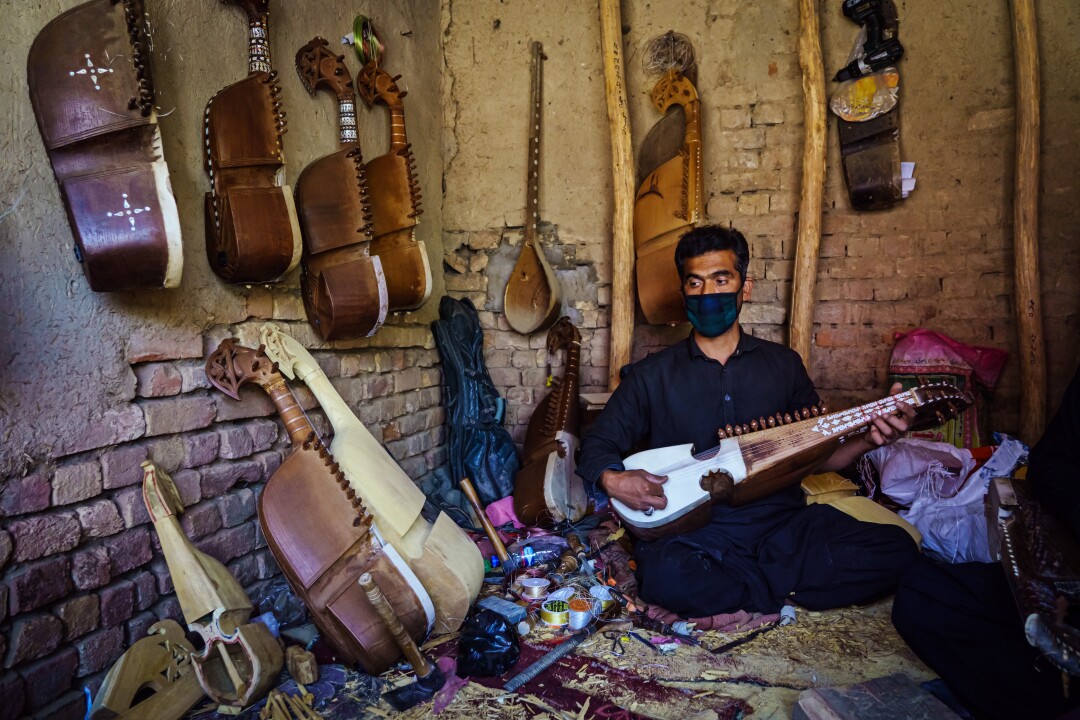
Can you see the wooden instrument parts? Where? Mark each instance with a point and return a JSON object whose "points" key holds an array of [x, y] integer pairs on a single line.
{"points": [[395, 198], [669, 203], [489, 529], [156, 670], [344, 288], [301, 664], [547, 489], [531, 299], [252, 232], [443, 557], [326, 540], [283, 706], [240, 660], [766, 455], [100, 130]]}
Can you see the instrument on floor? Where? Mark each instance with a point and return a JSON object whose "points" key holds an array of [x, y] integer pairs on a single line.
{"points": [[531, 299], [320, 531], [343, 287], [100, 128], [395, 198], [239, 660], [669, 203], [252, 233], [766, 455], [547, 489], [443, 557], [1041, 558]]}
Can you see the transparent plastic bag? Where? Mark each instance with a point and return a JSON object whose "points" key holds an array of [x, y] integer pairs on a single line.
{"points": [[867, 97]]}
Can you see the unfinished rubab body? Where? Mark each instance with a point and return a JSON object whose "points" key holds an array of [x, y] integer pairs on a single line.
{"points": [[320, 531], [157, 670], [531, 299], [343, 287], [240, 660], [395, 198], [252, 233], [93, 96], [668, 204], [763, 456], [443, 557], [547, 489]]}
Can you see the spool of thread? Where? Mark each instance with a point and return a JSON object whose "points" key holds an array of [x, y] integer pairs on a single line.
{"points": [[535, 588], [603, 602], [528, 624], [580, 613], [555, 613]]}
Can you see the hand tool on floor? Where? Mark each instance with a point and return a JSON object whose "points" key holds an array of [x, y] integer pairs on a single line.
{"points": [[548, 660]]}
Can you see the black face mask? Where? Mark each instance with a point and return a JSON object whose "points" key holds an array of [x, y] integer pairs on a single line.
{"points": [[712, 315]]}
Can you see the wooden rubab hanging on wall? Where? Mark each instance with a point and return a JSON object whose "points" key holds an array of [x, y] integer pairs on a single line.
{"points": [[443, 557], [531, 299], [547, 489], [670, 199], [240, 660], [93, 97], [252, 233], [320, 530], [344, 288], [395, 198]]}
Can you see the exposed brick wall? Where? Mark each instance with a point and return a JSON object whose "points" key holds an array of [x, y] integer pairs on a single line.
{"points": [[84, 573]]}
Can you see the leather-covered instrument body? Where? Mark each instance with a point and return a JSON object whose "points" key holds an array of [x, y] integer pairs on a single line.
{"points": [[320, 531], [1041, 558], [93, 96], [766, 455], [343, 287], [547, 489], [252, 232], [668, 204], [239, 660], [395, 198], [531, 299], [443, 557]]}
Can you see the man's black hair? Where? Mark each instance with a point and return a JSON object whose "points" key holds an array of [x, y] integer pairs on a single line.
{"points": [[710, 238]]}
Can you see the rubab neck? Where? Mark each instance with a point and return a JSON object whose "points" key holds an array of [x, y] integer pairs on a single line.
{"points": [[568, 389], [398, 139], [693, 177], [296, 422], [347, 119], [532, 174], [329, 400], [258, 45]]}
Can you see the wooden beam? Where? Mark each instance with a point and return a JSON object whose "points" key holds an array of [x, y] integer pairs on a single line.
{"points": [[1029, 324], [804, 279], [622, 181]]}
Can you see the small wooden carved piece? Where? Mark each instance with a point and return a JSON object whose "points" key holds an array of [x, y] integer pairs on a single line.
{"points": [[395, 198], [252, 232], [531, 299], [324, 541], [301, 664], [669, 203], [97, 120], [547, 489], [159, 664], [240, 660], [447, 563], [343, 287]]}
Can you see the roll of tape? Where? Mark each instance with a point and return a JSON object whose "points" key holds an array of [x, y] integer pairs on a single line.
{"points": [[555, 613], [534, 588], [580, 613]]}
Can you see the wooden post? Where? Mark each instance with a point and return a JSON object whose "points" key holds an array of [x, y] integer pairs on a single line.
{"points": [[1029, 328], [622, 180], [804, 279]]}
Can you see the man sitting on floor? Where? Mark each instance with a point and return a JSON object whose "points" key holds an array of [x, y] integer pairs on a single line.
{"points": [[756, 556], [961, 619]]}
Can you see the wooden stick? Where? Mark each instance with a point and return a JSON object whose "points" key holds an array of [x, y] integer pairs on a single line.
{"points": [[804, 280], [493, 536], [1026, 225], [622, 181], [420, 664]]}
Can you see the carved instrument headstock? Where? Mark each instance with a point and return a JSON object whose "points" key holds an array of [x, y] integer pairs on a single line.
{"points": [[562, 334], [255, 9], [937, 404], [318, 67], [232, 365], [373, 83], [673, 89]]}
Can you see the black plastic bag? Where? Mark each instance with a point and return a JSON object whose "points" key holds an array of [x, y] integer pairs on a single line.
{"points": [[488, 646]]}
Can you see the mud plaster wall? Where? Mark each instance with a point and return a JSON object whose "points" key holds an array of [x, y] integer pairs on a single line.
{"points": [[942, 259], [93, 384]]}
